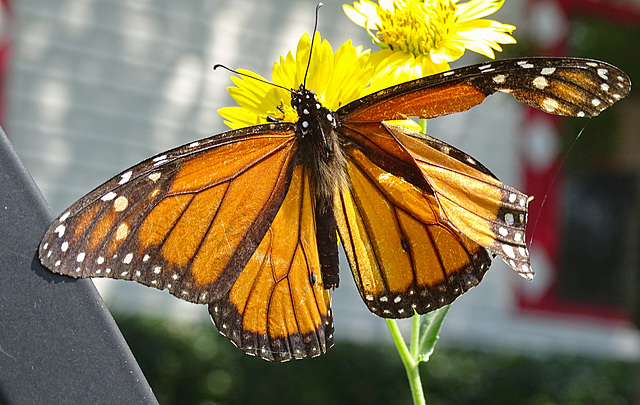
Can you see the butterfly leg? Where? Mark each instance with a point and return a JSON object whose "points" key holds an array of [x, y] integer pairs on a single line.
{"points": [[274, 119]]}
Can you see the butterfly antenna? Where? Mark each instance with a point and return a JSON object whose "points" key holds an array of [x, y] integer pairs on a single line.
{"points": [[553, 181], [235, 72], [313, 37]]}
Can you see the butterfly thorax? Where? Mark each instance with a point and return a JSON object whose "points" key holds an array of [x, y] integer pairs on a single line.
{"points": [[319, 150]]}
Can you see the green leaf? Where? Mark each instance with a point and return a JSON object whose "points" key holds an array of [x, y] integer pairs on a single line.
{"points": [[429, 330]]}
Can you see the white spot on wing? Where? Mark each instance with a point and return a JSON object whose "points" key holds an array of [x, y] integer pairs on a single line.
{"points": [[60, 230], [508, 250], [159, 160], [550, 105], [499, 79], [109, 196], [540, 82], [120, 204], [603, 73], [125, 177], [128, 258], [508, 218]]}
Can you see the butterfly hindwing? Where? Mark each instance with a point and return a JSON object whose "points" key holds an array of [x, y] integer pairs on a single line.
{"points": [[404, 256], [467, 195], [278, 308], [173, 220], [475, 203]]}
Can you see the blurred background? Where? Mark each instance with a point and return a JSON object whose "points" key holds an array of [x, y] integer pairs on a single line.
{"points": [[91, 87]]}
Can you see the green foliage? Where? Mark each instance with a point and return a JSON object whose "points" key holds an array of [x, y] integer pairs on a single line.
{"points": [[193, 364], [475, 377], [430, 326]]}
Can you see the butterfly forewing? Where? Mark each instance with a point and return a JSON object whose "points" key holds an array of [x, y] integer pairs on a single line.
{"points": [[564, 86], [570, 87], [172, 221]]}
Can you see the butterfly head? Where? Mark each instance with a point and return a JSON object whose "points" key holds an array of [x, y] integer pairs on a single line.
{"points": [[307, 106]]}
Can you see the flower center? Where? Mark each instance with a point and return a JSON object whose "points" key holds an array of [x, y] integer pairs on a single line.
{"points": [[417, 26]]}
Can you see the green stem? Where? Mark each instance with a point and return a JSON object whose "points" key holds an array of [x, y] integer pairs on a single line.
{"points": [[423, 124], [415, 337], [409, 358]]}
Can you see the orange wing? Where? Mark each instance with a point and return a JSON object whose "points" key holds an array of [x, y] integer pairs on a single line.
{"points": [[459, 195], [467, 195], [475, 203], [563, 86], [404, 255], [226, 221], [278, 308], [172, 221]]}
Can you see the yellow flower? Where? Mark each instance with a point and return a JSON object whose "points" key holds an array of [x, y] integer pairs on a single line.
{"points": [[336, 78], [424, 36]]}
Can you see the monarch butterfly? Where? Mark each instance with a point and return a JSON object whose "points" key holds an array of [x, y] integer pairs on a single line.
{"points": [[247, 221]]}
